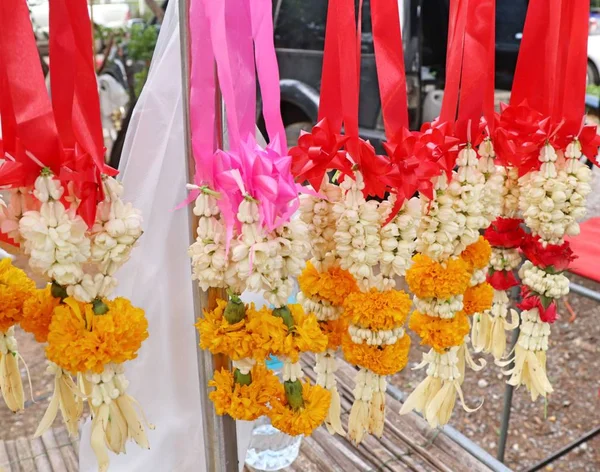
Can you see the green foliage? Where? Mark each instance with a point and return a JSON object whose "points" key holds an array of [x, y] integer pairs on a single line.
{"points": [[142, 42], [593, 90]]}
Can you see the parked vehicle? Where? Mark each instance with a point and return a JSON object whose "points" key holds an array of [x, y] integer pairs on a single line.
{"points": [[593, 70], [108, 15]]}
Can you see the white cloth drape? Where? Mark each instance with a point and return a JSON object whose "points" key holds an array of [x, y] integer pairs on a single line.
{"points": [[158, 277]]}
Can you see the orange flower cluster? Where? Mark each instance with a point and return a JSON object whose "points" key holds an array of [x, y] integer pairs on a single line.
{"points": [[80, 340], [306, 419], [37, 313], [15, 288], [245, 402], [333, 286], [377, 310], [440, 333], [305, 336], [430, 279], [479, 298], [334, 330], [383, 360], [477, 255], [241, 339]]}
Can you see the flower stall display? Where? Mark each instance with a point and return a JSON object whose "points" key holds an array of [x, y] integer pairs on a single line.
{"points": [[544, 138], [66, 215]]}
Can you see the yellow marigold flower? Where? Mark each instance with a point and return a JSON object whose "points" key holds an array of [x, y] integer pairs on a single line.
{"points": [[305, 336], [244, 402], [333, 286], [479, 298], [383, 360], [79, 340], [15, 288], [37, 313], [306, 419], [377, 310], [477, 255], [251, 337], [334, 330], [440, 333], [430, 279]]}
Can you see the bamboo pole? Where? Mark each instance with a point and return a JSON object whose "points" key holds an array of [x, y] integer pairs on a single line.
{"points": [[220, 438]]}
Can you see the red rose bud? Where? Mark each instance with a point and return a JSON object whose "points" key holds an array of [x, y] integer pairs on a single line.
{"points": [[546, 307], [553, 256], [502, 279], [505, 233]]}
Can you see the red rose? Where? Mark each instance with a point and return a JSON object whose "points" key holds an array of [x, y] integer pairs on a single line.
{"points": [[502, 279], [556, 257], [531, 300], [505, 232]]}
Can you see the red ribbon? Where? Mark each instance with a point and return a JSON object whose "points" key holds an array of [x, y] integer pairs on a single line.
{"points": [[29, 132]]}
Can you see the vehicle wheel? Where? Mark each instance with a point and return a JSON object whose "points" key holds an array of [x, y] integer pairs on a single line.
{"points": [[292, 132], [593, 78]]}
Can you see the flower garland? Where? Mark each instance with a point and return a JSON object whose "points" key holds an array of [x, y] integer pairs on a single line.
{"points": [[87, 334], [505, 236], [375, 340], [448, 281], [552, 200]]}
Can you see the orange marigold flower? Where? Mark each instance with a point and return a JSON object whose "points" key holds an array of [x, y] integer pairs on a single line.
{"points": [[477, 255], [383, 360], [440, 333], [37, 313], [251, 337], [80, 340], [479, 298], [15, 288], [334, 330], [305, 336], [333, 286], [244, 402], [377, 310], [430, 279], [306, 419]]}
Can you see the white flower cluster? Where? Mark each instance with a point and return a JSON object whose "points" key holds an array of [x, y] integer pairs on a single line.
{"points": [[54, 237], [553, 198], [399, 236], [510, 192], [542, 282], [488, 330], [534, 332], [323, 310], [494, 181], [436, 307], [505, 259], [375, 338], [479, 276], [325, 368], [268, 261], [107, 386], [443, 366], [209, 261], [8, 342], [318, 214], [452, 221], [244, 365], [369, 388], [19, 203], [291, 371], [358, 243]]}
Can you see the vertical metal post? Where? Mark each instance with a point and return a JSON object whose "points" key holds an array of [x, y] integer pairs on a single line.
{"points": [[508, 396], [220, 438]]}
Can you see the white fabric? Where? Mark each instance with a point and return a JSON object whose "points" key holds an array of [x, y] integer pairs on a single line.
{"points": [[158, 277]]}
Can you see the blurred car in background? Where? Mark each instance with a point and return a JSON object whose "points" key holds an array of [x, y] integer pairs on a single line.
{"points": [[593, 70], [108, 15]]}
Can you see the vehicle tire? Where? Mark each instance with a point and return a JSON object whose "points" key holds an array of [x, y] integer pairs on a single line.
{"points": [[593, 78], [292, 132]]}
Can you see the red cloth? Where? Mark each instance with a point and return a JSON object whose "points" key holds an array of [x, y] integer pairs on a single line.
{"points": [[587, 247]]}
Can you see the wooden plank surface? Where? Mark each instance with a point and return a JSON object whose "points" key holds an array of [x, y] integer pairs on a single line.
{"points": [[5, 464], [42, 462], [24, 452]]}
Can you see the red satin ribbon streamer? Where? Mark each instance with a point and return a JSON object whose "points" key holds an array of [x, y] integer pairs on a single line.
{"points": [[535, 76], [389, 59], [73, 79], [29, 132], [469, 91], [572, 65]]}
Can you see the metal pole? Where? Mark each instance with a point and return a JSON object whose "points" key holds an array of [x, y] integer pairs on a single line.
{"points": [[586, 292], [508, 396], [220, 438]]}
